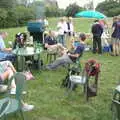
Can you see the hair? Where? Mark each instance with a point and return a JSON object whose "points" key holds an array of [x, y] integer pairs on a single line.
{"points": [[82, 36], [115, 18], [96, 20]]}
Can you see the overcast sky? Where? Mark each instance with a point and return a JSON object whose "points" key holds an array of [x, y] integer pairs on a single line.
{"points": [[65, 3]]}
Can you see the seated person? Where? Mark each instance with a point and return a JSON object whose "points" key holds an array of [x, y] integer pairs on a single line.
{"points": [[7, 70], [69, 57], [74, 42], [20, 39], [52, 45], [5, 53]]}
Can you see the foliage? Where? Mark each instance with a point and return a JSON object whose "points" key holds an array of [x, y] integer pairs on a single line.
{"points": [[17, 12], [7, 4], [23, 14], [72, 9], [110, 9], [3, 16]]}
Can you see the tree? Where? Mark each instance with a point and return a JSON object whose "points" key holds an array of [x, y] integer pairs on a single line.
{"points": [[72, 9], [3, 16], [7, 4], [109, 8], [23, 14]]}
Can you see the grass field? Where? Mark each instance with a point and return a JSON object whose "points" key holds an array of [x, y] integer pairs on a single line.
{"points": [[50, 100]]}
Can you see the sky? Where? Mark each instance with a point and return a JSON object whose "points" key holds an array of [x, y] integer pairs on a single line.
{"points": [[64, 3]]}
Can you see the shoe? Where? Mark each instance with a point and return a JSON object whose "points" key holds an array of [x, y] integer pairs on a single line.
{"points": [[3, 88], [13, 91], [27, 107]]}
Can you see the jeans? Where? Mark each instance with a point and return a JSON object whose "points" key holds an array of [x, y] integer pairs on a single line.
{"points": [[97, 44], [60, 61], [61, 39]]}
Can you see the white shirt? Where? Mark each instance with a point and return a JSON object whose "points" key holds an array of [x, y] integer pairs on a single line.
{"points": [[71, 30], [61, 28], [2, 44], [46, 22]]}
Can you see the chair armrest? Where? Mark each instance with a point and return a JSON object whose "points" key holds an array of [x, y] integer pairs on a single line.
{"points": [[4, 106]]}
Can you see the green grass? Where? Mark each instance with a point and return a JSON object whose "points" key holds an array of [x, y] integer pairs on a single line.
{"points": [[50, 100]]}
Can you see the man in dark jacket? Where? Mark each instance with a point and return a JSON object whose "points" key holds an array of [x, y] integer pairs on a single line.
{"points": [[97, 31]]}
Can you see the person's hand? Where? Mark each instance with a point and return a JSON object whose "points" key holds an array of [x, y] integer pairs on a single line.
{"points": [[9, 49], [69, 54]]}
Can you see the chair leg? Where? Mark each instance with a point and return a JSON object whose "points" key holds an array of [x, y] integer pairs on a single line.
{"points": [[70, 87], [47, 57], [54, 56], [21, 112], [5, 117]]}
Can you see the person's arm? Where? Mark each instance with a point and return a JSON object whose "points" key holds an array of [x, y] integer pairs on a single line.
{"points": [[7, 49], [3, 47], [11, 66], [58, 26], [46, 42], [74, 55], [46, 45]]}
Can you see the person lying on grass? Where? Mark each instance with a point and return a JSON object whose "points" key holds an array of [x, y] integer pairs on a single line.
{"points": [[69, 58]]}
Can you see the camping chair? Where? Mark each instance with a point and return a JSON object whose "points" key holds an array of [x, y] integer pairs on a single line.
{"points": [[91, 69], [10, 105], [72, 69], [116, 104], [51, 56]]}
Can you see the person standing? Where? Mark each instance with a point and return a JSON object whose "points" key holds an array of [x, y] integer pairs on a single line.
{"points": [[46, 23], [97, 31], [61, 29], [116, 36], [69, 31]]}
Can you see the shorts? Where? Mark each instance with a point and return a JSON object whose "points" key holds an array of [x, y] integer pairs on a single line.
{"points": [[115, 40], [52, 50]]}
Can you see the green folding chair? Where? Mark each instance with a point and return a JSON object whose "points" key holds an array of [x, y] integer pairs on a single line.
{"points": [[116, 104], [9, 105], [76, 64]]}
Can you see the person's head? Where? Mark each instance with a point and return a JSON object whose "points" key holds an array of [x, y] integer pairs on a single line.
{"points": [[115, 18], [62, 19], [21, 38], [3, 34], [82, 37], [118, 18], [70, 19], [95, 21], [51, 33]]}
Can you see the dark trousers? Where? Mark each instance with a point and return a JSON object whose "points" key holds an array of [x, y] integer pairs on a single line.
{"points": [[97, 44]]}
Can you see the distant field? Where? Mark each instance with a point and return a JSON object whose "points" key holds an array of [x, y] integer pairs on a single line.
{"points": [[80, 24], [50, 100]]}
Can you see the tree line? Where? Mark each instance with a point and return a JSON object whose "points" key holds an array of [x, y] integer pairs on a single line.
{"points": [[15, 13]]}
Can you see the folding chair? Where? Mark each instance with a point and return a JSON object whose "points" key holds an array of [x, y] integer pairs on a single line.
{"points": [[115, 107], [91, 69], [9, 105]]}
